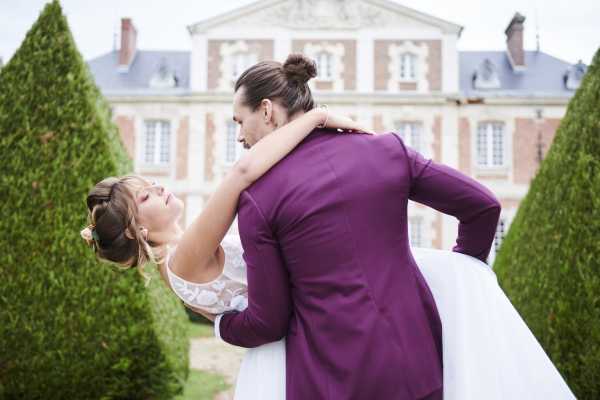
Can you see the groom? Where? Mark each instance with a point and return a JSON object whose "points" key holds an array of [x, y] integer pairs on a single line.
{"points": [[329, 265]]}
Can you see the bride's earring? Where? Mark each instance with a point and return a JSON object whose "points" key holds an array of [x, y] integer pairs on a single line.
{"points": [[144, 232]]}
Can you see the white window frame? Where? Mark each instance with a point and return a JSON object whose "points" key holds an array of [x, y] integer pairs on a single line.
{"points": [[240, 62], [324, 61], [415, 231], [231, 143], [411, 133], [162, 143], [498, 239], [490, 144], [407, 67]]}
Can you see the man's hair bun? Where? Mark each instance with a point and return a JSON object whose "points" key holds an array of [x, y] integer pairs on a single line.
{"points": [[299, 69]]}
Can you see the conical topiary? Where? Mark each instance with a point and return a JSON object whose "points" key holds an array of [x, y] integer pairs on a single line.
{"points": [[70, 327], [549, 263]]}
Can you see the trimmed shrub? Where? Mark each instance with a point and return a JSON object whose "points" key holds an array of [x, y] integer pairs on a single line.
{"points": [[549, 262], [70, 326]]}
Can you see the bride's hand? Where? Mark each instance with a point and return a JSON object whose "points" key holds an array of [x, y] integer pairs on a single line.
{"points": [[340, 122]]}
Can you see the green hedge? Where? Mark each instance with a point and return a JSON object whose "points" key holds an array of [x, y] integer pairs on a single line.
{"points": [[70, 326], [549, 263]]}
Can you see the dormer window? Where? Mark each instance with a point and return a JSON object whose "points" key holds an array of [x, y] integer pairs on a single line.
{"points": [[164, 77], [408, 67], [324, 61], [486, 76], [241, 62], [574, 75]]}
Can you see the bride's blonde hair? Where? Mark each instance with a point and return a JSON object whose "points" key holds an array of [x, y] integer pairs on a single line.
{"points": [[113, 232]]}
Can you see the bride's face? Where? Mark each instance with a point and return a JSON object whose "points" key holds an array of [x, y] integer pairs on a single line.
{"points": [[157, 208]]}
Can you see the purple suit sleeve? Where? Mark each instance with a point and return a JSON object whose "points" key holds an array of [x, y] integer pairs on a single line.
{"points": [[269, 304], [451, 192]]}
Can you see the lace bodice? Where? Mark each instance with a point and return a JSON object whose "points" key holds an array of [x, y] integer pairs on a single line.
{"points": [[227, 292]]}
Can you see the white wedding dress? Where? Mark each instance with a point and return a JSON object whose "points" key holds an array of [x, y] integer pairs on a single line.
{"points": [[488, 351]]}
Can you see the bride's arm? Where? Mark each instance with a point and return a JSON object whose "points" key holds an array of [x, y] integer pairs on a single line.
{"points": [[198, 248], [273, 147]]}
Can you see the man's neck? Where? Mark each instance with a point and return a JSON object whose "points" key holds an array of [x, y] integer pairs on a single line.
{"points": [[297, 115]]}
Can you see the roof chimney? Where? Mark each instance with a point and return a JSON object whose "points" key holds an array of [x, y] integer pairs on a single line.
{"points": [[128, 43], [514, 42]]}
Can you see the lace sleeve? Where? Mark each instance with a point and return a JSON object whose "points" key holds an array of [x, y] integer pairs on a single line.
{"points": [[225, 293]]}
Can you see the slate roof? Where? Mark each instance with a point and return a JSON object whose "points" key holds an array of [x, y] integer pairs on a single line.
{"points": [[543, 76], [145, 65]]}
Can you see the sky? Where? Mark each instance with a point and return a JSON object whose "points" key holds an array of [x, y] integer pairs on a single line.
{"points": [[569, 30]]}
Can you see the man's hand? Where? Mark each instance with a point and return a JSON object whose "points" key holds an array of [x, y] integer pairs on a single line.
{"points": [[207, 315]]}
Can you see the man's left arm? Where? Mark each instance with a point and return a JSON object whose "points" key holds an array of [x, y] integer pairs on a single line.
{"points": [[269, 303]]}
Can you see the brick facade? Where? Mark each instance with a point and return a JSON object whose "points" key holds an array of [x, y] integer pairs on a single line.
{"points": [[209, 148], [127, 131], [181, 168], [525, 145], [437, 138], [378, 124], [436, 228], [464, 145]]}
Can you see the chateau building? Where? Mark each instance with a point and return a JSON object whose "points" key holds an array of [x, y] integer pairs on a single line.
{"points": [[490, 114]]}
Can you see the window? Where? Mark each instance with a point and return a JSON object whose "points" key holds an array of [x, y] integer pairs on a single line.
{"points": [[574, 75], [241, 62], [498, 238], [415, 231], [408, 67], [486, 76], [231, 153], [157, 142], [490, 144], [324, 66], [411, 134]]}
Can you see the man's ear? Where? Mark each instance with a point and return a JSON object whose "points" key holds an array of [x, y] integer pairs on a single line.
{"points": [[266, 106]]}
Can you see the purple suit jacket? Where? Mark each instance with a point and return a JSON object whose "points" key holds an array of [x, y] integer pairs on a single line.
{"points": [[329, 265]]}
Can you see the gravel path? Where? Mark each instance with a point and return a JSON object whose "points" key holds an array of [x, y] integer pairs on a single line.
{"points": [[214, 355]]}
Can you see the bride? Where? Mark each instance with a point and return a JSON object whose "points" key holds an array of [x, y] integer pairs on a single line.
{"points": [[488, 351]]}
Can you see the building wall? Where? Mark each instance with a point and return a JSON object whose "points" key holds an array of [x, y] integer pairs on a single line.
{"points": [[199, 148], [365, 87]]}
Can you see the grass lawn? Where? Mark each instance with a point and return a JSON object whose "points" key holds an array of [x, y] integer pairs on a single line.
{"points": [[202, 385], [197, 330]]}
